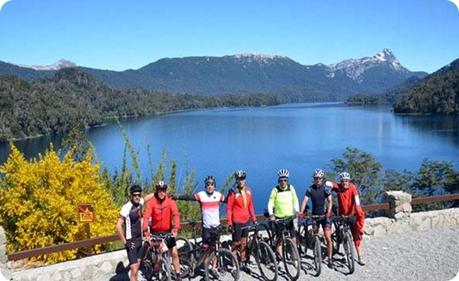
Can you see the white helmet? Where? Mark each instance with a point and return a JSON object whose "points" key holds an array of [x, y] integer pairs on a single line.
{"points": [[344, 176], [318, 173], [283, 173]]}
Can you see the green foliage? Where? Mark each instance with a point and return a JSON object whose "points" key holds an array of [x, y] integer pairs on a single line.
{"points": [[73, 98], [365, 170], [189, 210], [432, 178], [77, 141], [438, 93]]}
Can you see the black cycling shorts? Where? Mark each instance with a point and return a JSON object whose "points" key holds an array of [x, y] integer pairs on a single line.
{"points": [[133, 248], [238, 232], [288, 226], [209, 235]]}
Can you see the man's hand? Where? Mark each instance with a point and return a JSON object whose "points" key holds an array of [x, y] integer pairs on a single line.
{"points": [[174, 232], [302, 216], [130, 245], [230, 228], [328, 215]]}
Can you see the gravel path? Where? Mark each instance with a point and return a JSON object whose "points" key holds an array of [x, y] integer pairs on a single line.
{"points": [[431, 255]]}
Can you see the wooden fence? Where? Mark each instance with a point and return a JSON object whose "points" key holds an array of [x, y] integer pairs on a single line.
{"points": [[112, 238]]}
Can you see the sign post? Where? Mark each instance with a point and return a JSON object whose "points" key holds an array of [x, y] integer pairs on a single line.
{"points": [[86, 215]]}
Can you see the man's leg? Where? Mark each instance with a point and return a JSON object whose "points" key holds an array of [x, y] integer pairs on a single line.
{"points": [[326, 226], [134, 271]]}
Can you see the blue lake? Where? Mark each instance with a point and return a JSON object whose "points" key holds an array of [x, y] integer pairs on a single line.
{"points": [[299, 137]]}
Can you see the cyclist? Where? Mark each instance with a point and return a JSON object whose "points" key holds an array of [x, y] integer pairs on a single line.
{"points": [[283, 203], [165, 218], [349, 204], [131, 236], [320, 194], [239, 211], [210, 201]]}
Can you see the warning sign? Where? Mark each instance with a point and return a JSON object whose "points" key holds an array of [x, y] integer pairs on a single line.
{"points": [[86, 213]]}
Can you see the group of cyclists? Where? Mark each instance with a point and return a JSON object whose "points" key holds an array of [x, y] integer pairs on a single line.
{"points": [[161, 214]]}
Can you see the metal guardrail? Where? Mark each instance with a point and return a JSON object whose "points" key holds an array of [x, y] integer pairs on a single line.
{"points": [[112, 238]]}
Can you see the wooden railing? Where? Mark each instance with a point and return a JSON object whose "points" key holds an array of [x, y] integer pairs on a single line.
{"points": [[112, 238]]}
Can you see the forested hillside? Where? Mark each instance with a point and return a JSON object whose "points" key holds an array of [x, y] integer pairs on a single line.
{"points": [[71, 96], [438, 93]]}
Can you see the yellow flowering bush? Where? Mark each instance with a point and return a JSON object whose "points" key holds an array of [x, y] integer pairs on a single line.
{"points": [[39, 199]]}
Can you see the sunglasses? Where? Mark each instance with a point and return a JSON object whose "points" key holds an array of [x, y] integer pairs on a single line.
{"points": [[136, 195], [317, 178], [241, 179], [283, 180], [210, 184], [161, 189]]}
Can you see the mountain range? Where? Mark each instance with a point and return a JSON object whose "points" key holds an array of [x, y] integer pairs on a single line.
{"points": [[247, 74]]}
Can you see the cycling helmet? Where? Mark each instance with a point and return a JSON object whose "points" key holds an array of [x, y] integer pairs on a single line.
{"points": [[283, 173], [344, 176], [240, 174], [318, 173], [210, 179], [161, 185], [135, 188]]}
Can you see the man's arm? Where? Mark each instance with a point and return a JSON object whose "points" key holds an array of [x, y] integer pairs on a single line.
{"points": [[146, 218], [229, 209], [303, 204], [296, 206], [119, 228], [329, 205], [175, 218], [185, 197], [272, 198], [251, 210]]}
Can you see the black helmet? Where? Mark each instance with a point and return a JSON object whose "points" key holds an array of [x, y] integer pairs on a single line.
{"points": [[135, 188], [240, 174], [210, 179], [161, 185]]}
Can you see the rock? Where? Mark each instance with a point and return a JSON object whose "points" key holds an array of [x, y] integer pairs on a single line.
{"points": [[76, 273], [56, 276], [2, 236], [3, 256], [106, 267]]}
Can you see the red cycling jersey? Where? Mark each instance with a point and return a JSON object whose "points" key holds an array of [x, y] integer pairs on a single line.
{"points": [[163, 213], [349, 206], [238, 208]]}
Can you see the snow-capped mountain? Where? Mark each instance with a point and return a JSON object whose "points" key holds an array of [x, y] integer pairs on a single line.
{"points": [[354, 68], [55, 66], [248, 73]]}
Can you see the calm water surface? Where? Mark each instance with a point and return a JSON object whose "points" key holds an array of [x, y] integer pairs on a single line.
{"points": [[299, 137]]}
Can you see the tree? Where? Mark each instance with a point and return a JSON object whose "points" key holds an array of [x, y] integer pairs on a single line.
{"points": [[364, 169], [39, 200]]}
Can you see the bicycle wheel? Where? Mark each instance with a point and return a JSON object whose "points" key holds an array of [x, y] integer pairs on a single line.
{"points": [[291, 258], [349, 251], [317, 251], [221, 265], [335, 242], [165, 273], [302, 241], [146, 269], [186, 268], [266, 261], [266, 232], [184, 247]]}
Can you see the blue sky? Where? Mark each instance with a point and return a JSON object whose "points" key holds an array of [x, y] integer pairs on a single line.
{"points": [[112, 34]]}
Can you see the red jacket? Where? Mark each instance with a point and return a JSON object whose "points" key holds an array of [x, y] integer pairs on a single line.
{"points": [[348, 206], [164, 215], [237, 210]]}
